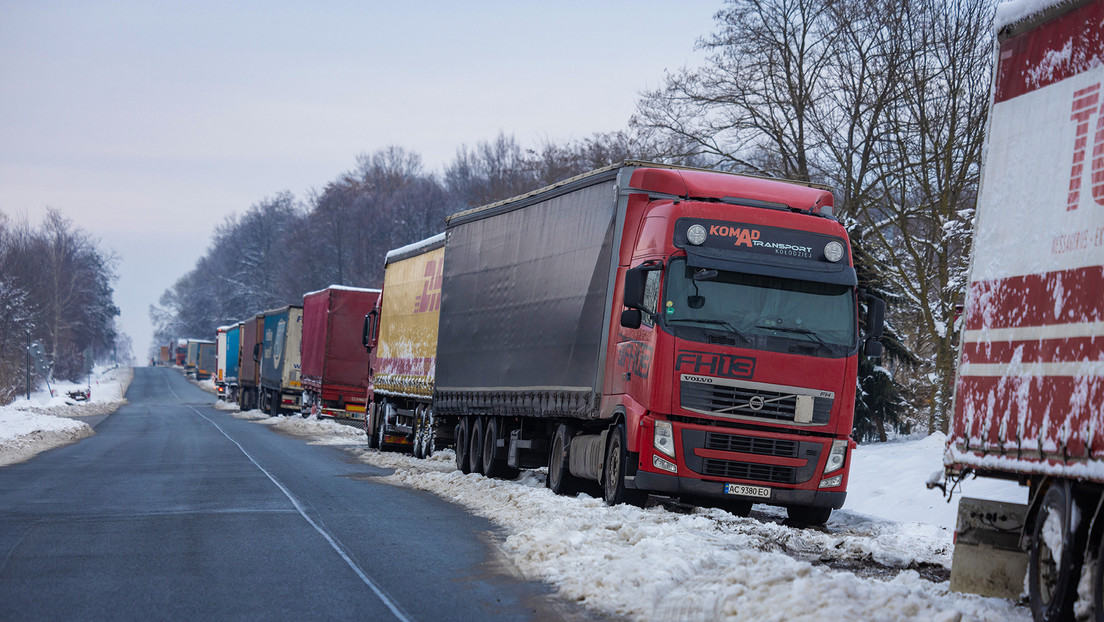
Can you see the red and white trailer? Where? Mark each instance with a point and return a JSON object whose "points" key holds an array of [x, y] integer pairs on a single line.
{"points": [[1029, 402]]}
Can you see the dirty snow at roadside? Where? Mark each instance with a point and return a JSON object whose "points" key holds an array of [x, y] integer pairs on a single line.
{"points": [[31, 426], [886, 559]]}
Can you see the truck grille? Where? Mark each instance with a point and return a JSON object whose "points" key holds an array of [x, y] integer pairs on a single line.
{"points": [[748, 471], [750, 445], [734, 401]]}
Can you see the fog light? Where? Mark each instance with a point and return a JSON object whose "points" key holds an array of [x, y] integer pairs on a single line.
{"points": [[666, 465], [832, 482]]}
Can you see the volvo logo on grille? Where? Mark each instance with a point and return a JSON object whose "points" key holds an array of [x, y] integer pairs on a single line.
{"points": [[756, 402]]}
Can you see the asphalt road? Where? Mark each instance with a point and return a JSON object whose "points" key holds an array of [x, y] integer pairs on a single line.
{"points": [[175, 510]]}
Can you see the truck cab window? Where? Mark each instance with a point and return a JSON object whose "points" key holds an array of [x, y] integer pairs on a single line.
{"points": [[651, 296], [763, 312]]}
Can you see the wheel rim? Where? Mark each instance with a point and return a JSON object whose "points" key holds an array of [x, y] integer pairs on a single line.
{"points": [[613, 470]]}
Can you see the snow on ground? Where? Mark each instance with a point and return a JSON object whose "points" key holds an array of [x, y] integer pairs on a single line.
{"points": [[885, 557], [31, 426], [903, 497]]}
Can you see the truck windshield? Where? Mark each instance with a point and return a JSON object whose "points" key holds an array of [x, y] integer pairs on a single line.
{"points": [[763, 312]]}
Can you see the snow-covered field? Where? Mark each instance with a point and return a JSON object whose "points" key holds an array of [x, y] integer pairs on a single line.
{"points": [[885, 557], [31, 426]]}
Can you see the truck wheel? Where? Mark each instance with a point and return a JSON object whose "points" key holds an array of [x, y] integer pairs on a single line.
{"points": [[416, 433], [1054, 566], [805, 516], [429, 432], [560, 480], [463, 438], [613, 473], [381, 427], [495, 466], [475, 449], [264, 405], [369, 426], [1098, 584]]}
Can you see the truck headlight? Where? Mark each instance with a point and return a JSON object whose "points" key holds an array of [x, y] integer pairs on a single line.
{"points": [[664, 439], [836, 456]]}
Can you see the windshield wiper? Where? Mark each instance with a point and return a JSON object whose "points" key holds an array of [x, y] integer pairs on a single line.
{"points": [[730, 327], [794, 329]]}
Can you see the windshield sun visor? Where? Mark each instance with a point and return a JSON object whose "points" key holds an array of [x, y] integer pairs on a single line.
{"points": [[782, 267]]}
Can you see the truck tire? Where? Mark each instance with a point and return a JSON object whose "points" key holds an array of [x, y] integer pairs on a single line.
{"points": [[475, 447], [381, 427], [616, 466], [463, 444], [416, 434], [369, 426], [1053, 574], [493, 466], [429, 432], [264, 405], [1098, 584], [560, 480], [805, 516]]}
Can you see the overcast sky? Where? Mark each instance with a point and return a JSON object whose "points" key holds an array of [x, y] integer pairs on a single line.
{"points": [[147, 123]]}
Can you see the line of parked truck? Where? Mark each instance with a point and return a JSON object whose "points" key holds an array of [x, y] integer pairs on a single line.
{"points": [[642, 329], [648, 329]]}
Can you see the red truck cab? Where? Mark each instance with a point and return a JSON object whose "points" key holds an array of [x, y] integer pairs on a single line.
{"points": [[736, 355]]}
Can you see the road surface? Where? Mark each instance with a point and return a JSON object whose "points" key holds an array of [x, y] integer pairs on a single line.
{"points": [[175, 510]]}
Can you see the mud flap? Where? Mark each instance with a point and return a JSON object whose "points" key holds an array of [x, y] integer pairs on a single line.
{"points": [[987, 557]]}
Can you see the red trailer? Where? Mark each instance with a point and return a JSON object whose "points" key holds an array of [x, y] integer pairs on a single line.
{"points": [[334, 365], [1029, 400]]}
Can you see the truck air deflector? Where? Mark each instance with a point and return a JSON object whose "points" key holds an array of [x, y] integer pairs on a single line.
{"points": [[735, 261]]}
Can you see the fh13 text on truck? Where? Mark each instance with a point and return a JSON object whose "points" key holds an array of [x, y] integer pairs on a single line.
{"points": [[642, 328]]}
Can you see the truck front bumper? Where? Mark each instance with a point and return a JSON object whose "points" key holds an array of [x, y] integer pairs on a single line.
{"points": [[676, 486]]}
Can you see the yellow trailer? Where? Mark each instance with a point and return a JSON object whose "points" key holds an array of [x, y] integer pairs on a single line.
{"points": [[402, 334]]}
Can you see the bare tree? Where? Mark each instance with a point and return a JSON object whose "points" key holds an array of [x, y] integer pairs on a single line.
{"points": [[931, 166], [753, 106]]}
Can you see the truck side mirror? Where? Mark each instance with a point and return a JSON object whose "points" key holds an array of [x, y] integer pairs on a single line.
{"points": [[256, 353], [875, 326], [873, 349], [368, 336], [631, 318], [875, 316], [635, 278]]}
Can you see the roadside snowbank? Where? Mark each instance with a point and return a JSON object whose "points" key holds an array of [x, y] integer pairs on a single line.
{"points": [[31, 426], [886, 557]]}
